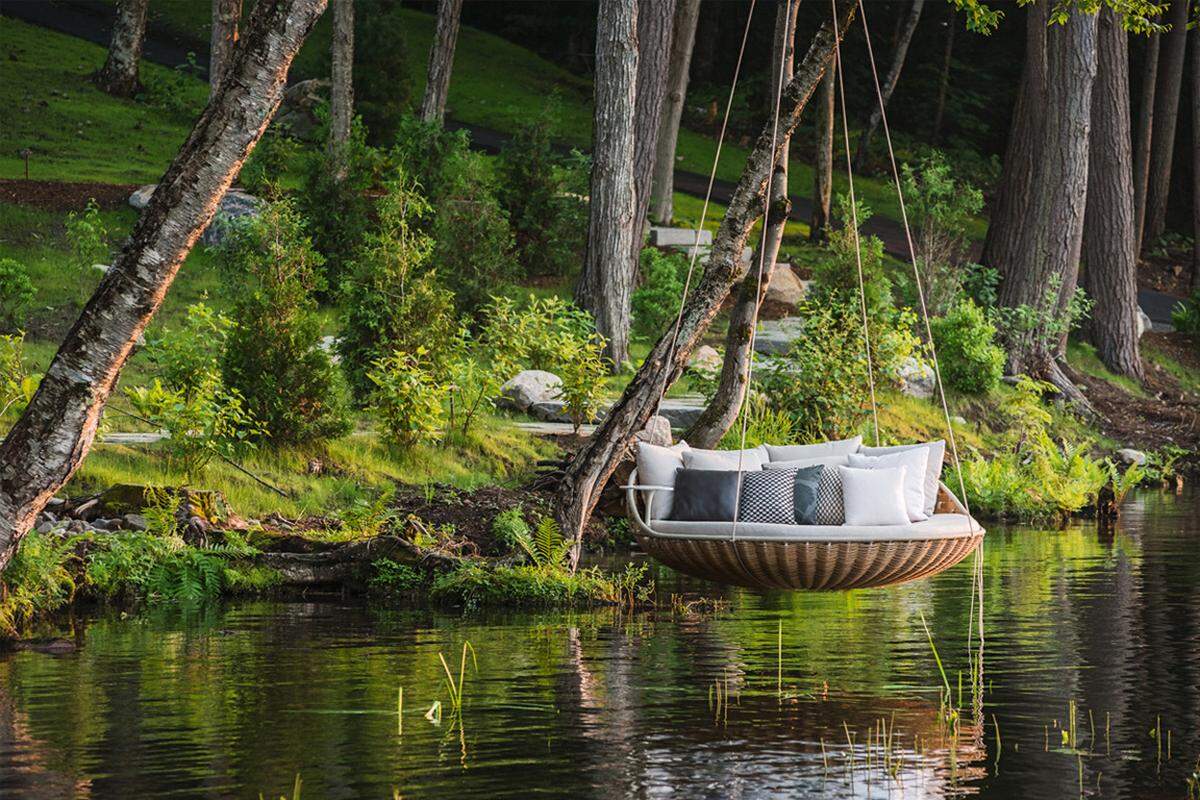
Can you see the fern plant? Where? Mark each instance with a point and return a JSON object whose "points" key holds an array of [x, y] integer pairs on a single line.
{"points": [[545, 547]]}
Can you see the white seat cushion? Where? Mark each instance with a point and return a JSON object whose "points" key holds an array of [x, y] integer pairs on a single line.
{"points": [[875, 496], [793, 452], [938, 526], [746, 460], [656, 466]]}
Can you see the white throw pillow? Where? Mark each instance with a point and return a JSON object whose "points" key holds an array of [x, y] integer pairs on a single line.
{"points": [[657, 466], [793, 452], [914, 462], [874, 496], [801, 463], [933, 470], [750, 459]]}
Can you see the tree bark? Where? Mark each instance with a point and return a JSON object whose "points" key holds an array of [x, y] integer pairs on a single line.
{"points": [[1145, 130], [441, 61], [818, 230], [225, 16], [1009, 218], [683, 38], [1166, 118], [722, 411], [119, 75], [1051, 250], [50, 440], [654, 24], [341, 93], [1109, 252], [939, 109], [594, 463], [1194, 280], [889, 83], [606, 282]]}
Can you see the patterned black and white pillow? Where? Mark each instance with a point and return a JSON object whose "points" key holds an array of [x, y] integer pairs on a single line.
{"points": [[767, 496], [830, 509]]}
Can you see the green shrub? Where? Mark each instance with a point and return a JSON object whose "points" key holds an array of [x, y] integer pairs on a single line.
{"points": [[508, 526], [1038, 328], [409, 397], [475, 585], [391, 577], [270, 160], [970, 360], [655, 302], [1185, 316], [544, 193], [16, 384], [174, 91], [382, 86], [765, 424], [392, 298], [36, 581], [835, 277], [273, 356], [16, 295], [426, 151], [87, 237]]}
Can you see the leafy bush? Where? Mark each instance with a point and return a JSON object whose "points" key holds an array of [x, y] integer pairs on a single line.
{"points": [[87, 237], [1039, 327], [392, 577], [508, 526], [174, 91], [271, 158], [835, 278], [382, 86], [16, 384], [392, 298], [765, 424], [409, 397], [544, 193], [970, 360], [16, 295], [981, 284], [655, 302], [426, 152], [36, 581], [545, 547], [1185, 316], [273, 356]]}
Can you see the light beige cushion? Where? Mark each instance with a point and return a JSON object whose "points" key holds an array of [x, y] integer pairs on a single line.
{"points": [[939, 526], [656, 466], [750, 459], [933, 470], [793, 452], [914, 462], [801, 463], [874, 496]]}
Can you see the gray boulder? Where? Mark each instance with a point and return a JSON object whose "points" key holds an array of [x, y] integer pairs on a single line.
{"points": [[235, 207], [705, 358], [297, 113], [785, 287], [530, 387], [681, 412], [917, 379], [657, 431], [1130, 456]]}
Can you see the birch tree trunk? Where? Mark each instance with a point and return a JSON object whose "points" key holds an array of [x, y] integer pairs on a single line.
{"points": [[818, 230], [1008, 222], [225, 16], [939, 109], [654, 23], [1145, 130], [1051, 250], [593, 464], [441, 61], [341, 92], [606, 282], [683, 38], [119, 75], [1109, 253], [889, 83], [723, 410], [1166, 118], [50, 440]]}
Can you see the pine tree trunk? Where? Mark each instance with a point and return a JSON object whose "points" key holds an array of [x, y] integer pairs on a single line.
{"points": [[441, 60], [655, 19], [119, 75], [341, 93], [1051, 250], [939, 109], [1145, 130], [606, 282], [225, 16], [818, 230], [1109, 255], [889, 83], [594, 463], [683, 37], [1008, 222], [1194, 279], [49, 441], [722, 411], [1166, 118]]}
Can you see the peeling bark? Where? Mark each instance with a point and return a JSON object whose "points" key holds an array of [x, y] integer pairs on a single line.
{"points": [[223, 40], [119, 76], [683, 38], [1166, 119], [441, 61], [341, 92], [592, 465], [889, 83], [53, 435]]}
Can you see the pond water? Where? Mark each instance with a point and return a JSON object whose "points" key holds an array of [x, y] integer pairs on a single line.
{"points": [[756, 699]]}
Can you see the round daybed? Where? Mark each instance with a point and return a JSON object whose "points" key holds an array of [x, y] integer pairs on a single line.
{"points": [[822, 557]]}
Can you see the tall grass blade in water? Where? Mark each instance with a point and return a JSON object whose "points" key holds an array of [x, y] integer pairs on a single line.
{"points": [[456, 687]]}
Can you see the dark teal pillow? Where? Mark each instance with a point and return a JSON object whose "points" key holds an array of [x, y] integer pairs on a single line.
{"points": [[804, 494]]}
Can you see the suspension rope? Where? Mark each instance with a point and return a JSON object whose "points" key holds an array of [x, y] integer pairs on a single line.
{"points": [[862, 292], [712, 177], [937, 372]]}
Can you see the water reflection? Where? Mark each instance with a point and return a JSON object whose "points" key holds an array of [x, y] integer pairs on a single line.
{"points": [[820, 695]]}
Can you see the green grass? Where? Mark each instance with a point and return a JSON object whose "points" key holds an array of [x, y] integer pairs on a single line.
{"points": [[1083, 357], [1188, 378]]}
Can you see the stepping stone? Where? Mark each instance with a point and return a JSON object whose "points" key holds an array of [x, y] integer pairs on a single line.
{"points": [[775, 336], [680, 237]]}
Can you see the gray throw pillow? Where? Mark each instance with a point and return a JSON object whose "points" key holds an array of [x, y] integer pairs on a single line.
{"points": [[830, 508], [705, 495], [805, 492], [767, 497]]}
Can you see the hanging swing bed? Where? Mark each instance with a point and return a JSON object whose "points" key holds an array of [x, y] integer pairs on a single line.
{"points": [[763, 541]]}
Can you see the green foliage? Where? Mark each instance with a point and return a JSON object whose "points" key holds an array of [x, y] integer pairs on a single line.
{"points": [[765, 424], [16, 384], [271, 158], [508, 526], [476, 585], [16, 295], [186, 357], [1185, 316], [169, 91], [981, 284], [543, 193], [545, 548], [426, 152], [87, 237], [655, 302], [970, 360], [36, 581], [1038, 328], [409, 397], [392, 298], [273, 356], [382, 86], [392, 577], [836, 277]]}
